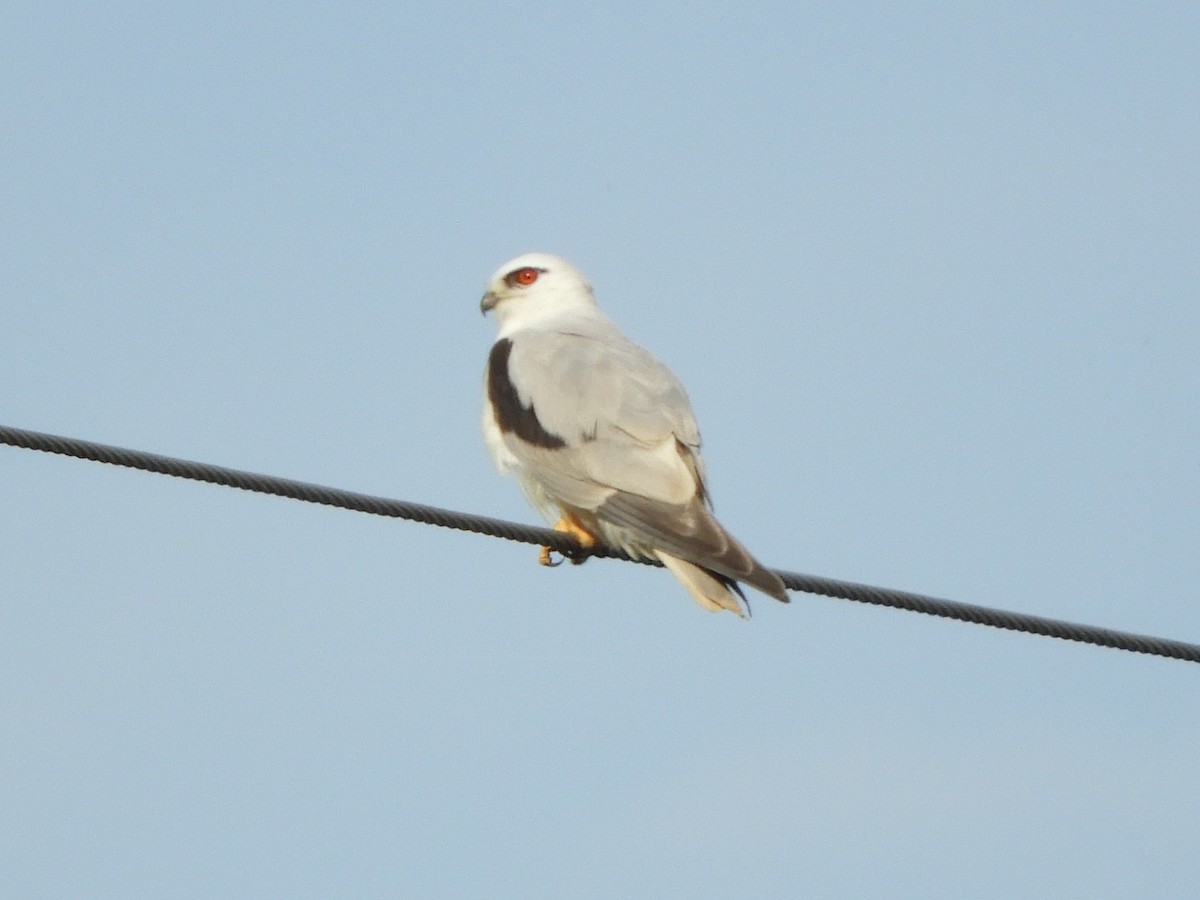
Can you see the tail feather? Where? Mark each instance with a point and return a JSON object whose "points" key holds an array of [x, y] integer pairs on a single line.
{"points": [[710, 590]]}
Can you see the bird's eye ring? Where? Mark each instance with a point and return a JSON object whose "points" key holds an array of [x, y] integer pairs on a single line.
{"points": [[524, 277]]}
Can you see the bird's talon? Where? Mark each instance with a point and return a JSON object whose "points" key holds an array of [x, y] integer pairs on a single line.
{"points": [[546, 558], [584, 538], [578, 557]]}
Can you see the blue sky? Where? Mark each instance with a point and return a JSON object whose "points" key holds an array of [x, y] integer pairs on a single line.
{"points": [[929, 275]]}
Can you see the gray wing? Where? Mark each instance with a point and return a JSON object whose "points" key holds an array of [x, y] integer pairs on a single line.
{"points": [[615, 419], [609, 430]]}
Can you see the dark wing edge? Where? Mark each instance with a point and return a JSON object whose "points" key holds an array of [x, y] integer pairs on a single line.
{"points": [[692, 533]]}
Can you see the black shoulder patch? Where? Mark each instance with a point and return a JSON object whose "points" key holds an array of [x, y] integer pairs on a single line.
{"points": [[511, 415]]}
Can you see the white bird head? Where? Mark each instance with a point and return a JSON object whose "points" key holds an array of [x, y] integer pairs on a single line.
{"points": [[533, 287]]}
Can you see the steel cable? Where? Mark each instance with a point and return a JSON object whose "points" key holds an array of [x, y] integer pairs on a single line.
{"points": [[513, 531]]}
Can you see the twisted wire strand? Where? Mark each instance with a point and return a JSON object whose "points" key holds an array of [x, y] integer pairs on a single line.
{"points": [[514, 531]]}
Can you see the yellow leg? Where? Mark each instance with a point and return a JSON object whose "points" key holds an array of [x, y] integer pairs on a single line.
{"points": [[569, 525]]}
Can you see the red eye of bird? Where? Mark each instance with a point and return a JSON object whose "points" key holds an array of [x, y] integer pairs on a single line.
{"points": [[526, 276]]}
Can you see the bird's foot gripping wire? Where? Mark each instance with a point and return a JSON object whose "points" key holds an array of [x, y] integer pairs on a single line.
{"points": [[582, 536]]}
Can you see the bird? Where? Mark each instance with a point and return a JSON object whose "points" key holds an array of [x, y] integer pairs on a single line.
{"points": [[601, 435]]}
